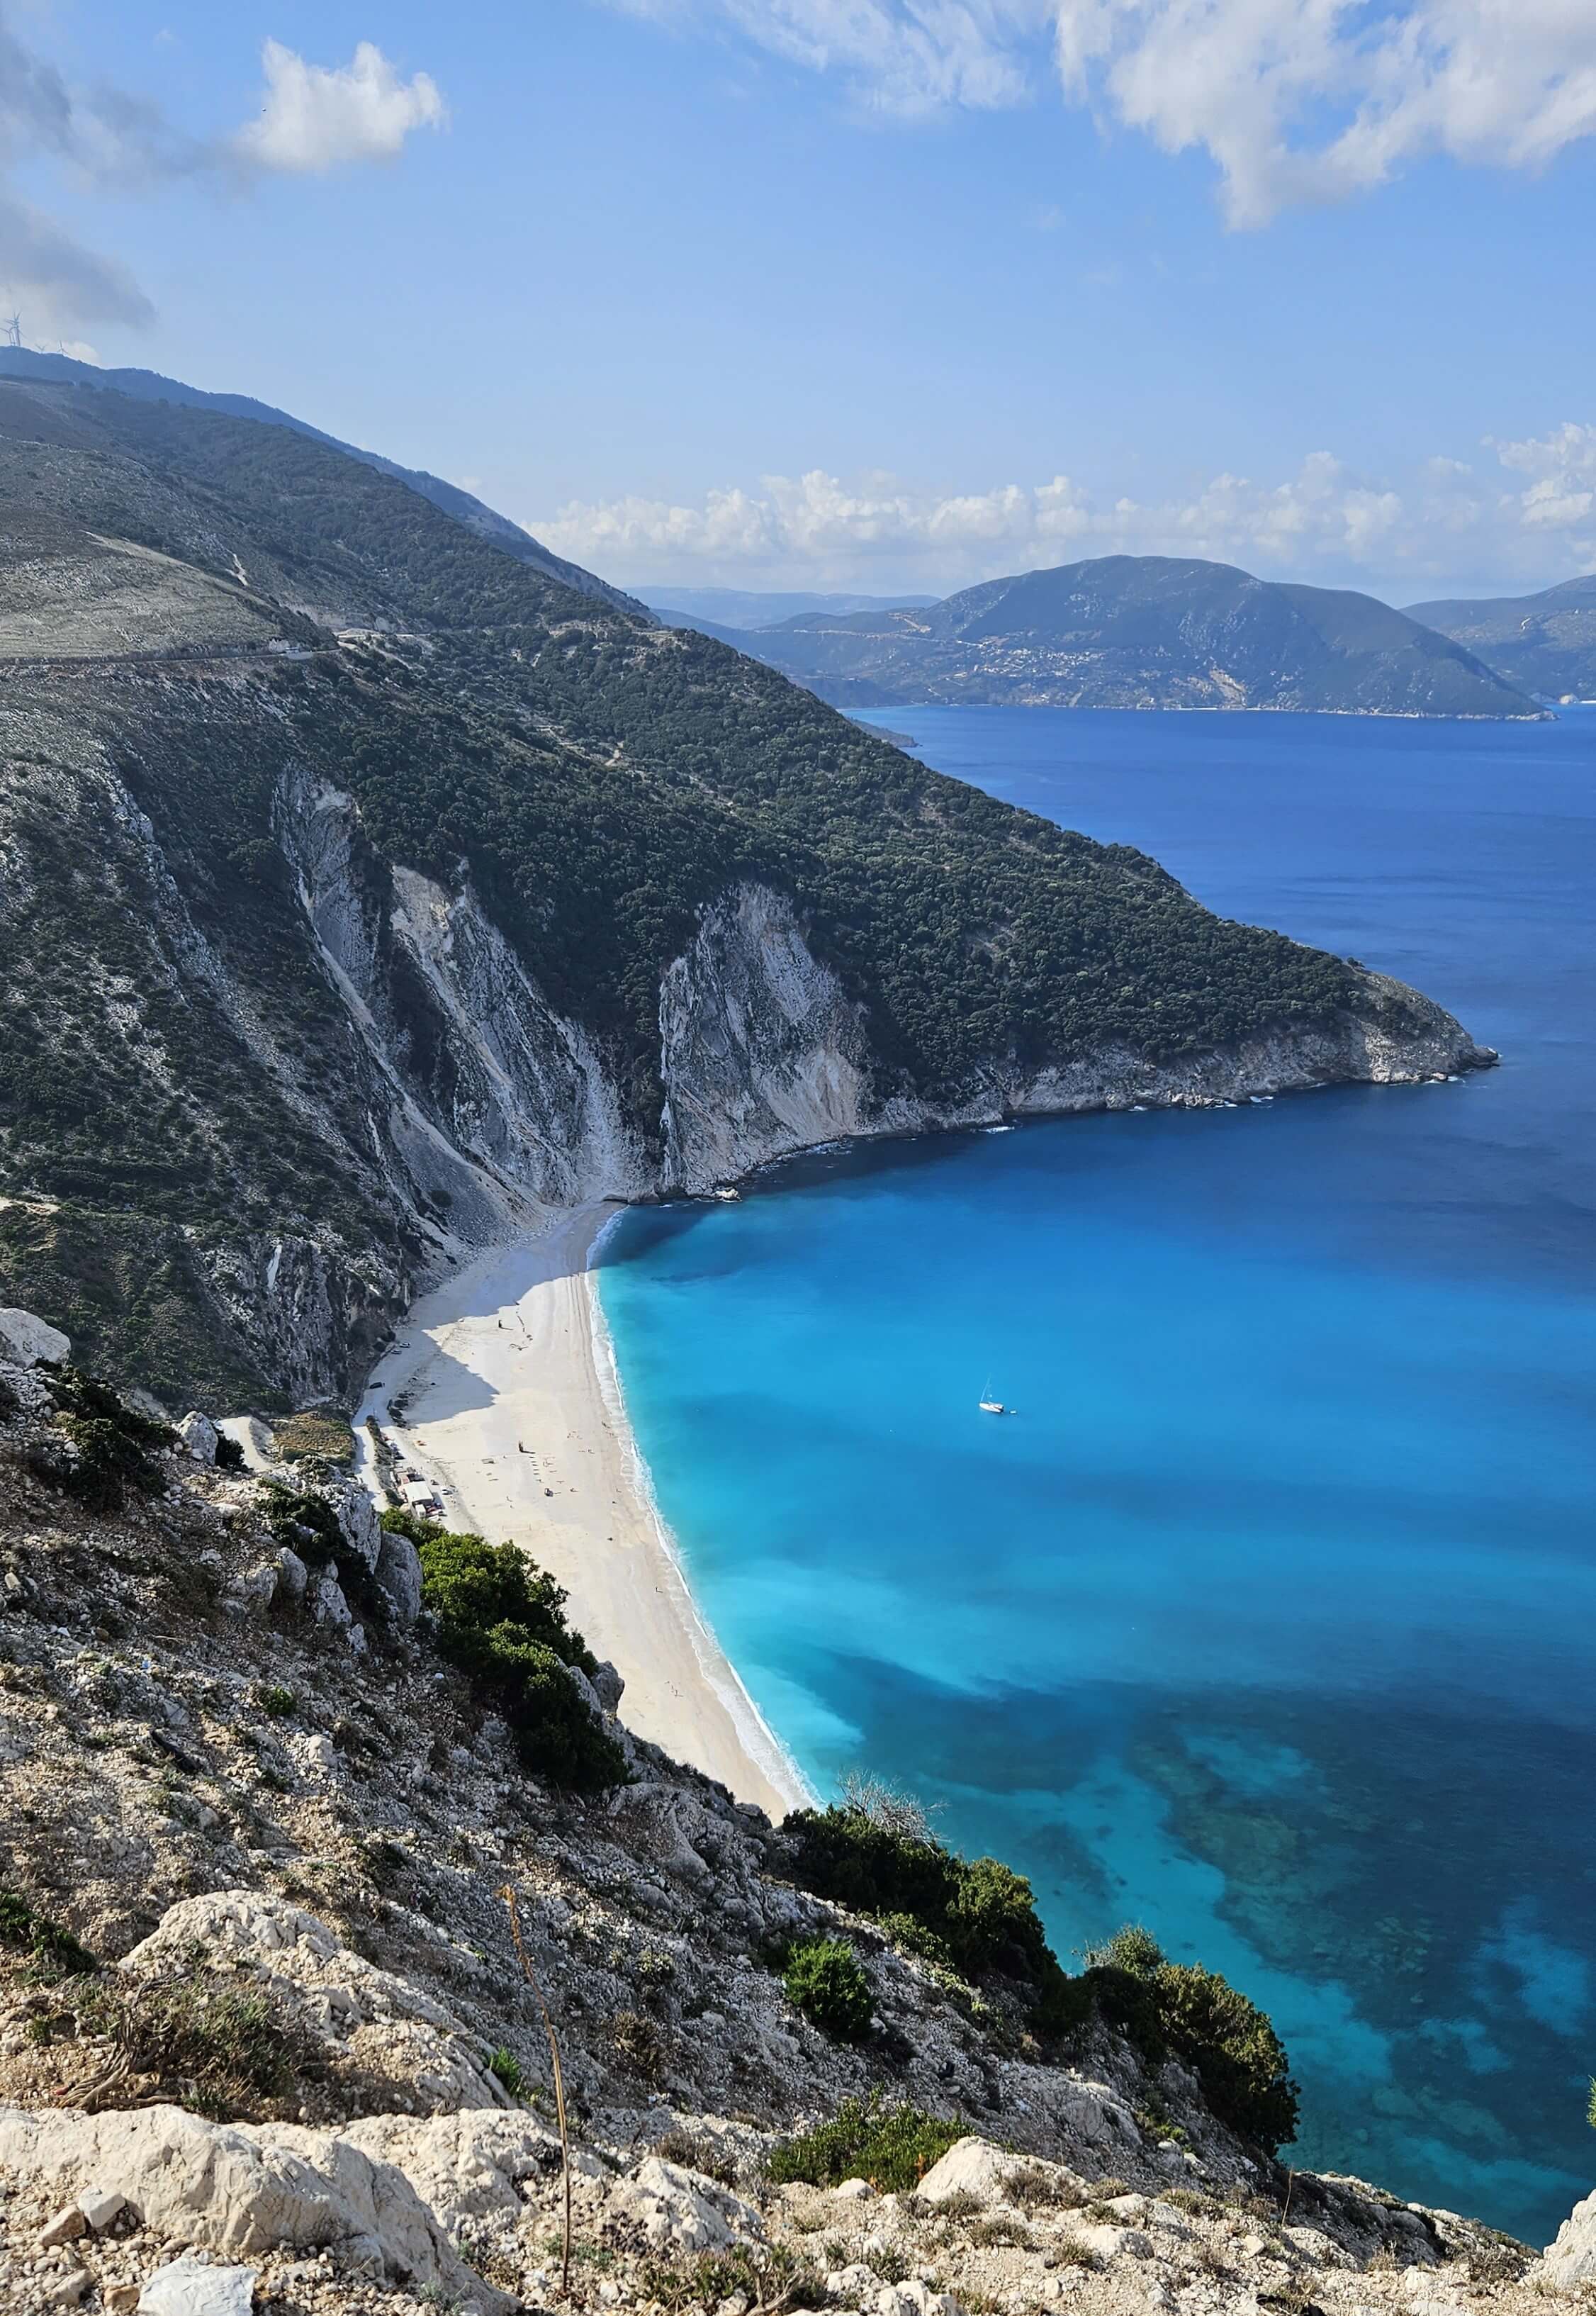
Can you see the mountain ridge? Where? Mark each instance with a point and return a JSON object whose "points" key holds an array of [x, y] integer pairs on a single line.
{"points": [[1141, 631], [25, 364], [1544, 642], [372, 892]]}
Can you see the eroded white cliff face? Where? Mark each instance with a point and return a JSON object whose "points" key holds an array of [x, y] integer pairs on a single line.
{"points": [[762, 1054], [486, 1107], [496, 1098]]}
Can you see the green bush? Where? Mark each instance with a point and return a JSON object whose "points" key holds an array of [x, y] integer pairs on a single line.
{"points": [[508, 2068], [981, 1915], [1180, 2010], [307, 1523], [912, 1935], [228, 2052], [281, 1704], [892, 2147], [824, 1978], [113, 1442], [48, 1944], [501, 1619]]}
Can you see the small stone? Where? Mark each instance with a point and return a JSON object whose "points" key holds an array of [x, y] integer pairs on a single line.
{"points": [[120, 2299], [68, 2290], [854, 2191], [67, 2224], [100, 2206]]}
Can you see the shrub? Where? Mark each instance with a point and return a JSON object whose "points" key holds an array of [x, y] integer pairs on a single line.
{"points": [[502, 1620], [638, 2043], [49, 1944], [825, 1980], [227, 2050], [113, 1443], [892, 2147], [1178, 2008], [982, 1915], [507, 2067], [229, 1454], [915, 1938], [771, 2280], [281, 1704]]}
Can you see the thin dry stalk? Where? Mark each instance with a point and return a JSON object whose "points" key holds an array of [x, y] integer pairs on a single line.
{"points": [[509, 1896]]}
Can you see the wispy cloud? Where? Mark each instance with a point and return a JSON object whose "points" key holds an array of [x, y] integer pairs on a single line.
{"points": [[1294, 101], [312, 118], [1529, 515]]}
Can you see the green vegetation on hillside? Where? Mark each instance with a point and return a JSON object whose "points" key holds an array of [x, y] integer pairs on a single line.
{"points": [[982, 1917], [185, 1101], [892, 2147], [825, 1980], [1179, 2010], [502, 1620]]}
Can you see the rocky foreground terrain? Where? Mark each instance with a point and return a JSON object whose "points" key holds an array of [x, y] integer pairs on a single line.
{"points": [[267, 2041]]}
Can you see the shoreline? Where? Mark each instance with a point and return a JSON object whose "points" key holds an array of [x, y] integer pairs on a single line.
{"points": [[513, 1406]]}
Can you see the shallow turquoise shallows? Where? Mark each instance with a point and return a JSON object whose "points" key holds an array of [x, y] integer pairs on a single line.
{"points": [[1269, 1620]]}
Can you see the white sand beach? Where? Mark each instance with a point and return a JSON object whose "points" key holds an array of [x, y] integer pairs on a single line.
{"points": [[511, 1407]]}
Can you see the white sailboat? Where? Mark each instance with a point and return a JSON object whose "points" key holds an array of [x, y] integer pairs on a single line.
{"points": [[989, 1406]]}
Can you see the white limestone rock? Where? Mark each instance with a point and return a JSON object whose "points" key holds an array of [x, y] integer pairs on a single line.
{"points": [[385, 2024], [399, 1579], [25, 1340], [357, 1518], [682, 2211], [972, 2166], [243, 2189], [199, 1435], [193, 2287], [466, 2167], [915, 2299], [1570, 2263], [293, 1577]]}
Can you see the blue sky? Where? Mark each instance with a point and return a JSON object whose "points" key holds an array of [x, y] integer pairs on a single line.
{"points": [[868, 293]]}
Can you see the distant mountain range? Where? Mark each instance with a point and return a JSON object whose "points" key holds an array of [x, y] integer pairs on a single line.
{"points": [[149, 386], [722, 611], [1137, 631], [1544, 643]]}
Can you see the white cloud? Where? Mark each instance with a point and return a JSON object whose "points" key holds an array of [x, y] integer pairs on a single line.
{"points": [[314, 117], [1531, 519], [1296, 101]]}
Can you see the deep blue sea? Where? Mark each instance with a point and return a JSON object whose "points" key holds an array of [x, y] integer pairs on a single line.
{"points": [[1270, 1620]]}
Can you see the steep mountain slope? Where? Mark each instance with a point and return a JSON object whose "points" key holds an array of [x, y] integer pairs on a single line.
{"points": [[1545, 644], [261, 1997], [1141, 631], [149, 386], [365, 891]]}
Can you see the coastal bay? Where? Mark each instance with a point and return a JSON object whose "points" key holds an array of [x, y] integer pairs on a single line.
{"points": [[1267, 1621]]}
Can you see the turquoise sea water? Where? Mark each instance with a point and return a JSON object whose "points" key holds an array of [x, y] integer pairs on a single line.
{"points": [[1271, 1621]]}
